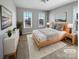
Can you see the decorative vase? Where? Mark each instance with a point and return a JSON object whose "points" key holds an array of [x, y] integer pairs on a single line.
{"points": [[9, 33]]}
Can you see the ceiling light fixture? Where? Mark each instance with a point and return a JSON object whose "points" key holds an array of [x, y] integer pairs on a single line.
{"points": [[44, 1]]}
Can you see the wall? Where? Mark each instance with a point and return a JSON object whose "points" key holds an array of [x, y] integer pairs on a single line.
{"points": [[20, 12], [66, 8], [9, 4], [75, 20]]}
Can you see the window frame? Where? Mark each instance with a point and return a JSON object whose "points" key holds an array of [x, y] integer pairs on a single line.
{"points": [[43, 16], [27, 16]]}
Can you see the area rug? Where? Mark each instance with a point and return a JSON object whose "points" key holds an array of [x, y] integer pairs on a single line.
{"points": [[35, 53]]}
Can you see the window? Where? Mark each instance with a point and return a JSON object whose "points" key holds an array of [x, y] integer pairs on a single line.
{"points": [[41, 19], [27, 19]]}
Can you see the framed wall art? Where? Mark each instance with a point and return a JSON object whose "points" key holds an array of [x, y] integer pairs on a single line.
{"points": [[62, 17], [6, 17]]}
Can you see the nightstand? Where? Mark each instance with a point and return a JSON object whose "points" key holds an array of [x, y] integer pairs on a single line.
{"points": [[73, 37], [69, 28]]}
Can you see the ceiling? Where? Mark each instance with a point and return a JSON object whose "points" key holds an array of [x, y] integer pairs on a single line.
{"points": [[38, 4]]}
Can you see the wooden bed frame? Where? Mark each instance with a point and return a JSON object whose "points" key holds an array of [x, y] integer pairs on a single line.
{"points": [[50, 41]]}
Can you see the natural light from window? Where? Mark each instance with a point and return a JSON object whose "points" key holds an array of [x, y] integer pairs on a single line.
{"points": [[27, 19]]}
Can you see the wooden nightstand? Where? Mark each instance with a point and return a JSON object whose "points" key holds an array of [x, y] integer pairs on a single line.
{"points": [[72, 36], [69, 28]]}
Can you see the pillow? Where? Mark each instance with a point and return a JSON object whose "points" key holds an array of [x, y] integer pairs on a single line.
{"points": [[53, 25], [59, 26]]}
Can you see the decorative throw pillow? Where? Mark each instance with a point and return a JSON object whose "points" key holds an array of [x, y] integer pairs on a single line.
{"points": [[59, 26], [52, 25]]}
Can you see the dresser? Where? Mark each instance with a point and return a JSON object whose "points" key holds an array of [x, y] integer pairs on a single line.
{"points": [[10, 44]]}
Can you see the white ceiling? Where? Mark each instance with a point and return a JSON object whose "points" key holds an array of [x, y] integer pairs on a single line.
{"points": [[38, 4]]}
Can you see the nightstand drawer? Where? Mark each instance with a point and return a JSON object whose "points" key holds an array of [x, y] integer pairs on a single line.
{"points": [[72, 37]]}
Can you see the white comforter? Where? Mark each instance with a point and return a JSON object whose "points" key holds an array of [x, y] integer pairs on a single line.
{"points": [[44, 34]]}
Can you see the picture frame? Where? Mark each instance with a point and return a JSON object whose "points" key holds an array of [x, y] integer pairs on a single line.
{"points": [[6, 17], [61, 17]]}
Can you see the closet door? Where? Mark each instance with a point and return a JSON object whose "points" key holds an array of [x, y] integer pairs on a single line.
{"points": [[1, 48]]}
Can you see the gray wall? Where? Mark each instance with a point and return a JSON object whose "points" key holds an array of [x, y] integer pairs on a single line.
{"points": [[50, 15], [66, 8], [35, 12], [9, 4]]}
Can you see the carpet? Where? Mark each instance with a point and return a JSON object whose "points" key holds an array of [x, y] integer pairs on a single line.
{"points": [[35, 53]]}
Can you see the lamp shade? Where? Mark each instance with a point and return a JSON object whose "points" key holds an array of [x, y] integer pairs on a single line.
{"points": [[70, 25], [48, 23]]}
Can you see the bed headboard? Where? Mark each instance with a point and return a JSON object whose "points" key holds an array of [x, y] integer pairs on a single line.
{"points": [[64, 24], [58, 25]]}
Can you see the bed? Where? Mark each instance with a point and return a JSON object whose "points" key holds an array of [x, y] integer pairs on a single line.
{"points": [[47, 36]]}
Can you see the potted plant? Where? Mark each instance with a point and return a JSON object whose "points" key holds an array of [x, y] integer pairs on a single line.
{"points": [[19, 26], [9, 33]]}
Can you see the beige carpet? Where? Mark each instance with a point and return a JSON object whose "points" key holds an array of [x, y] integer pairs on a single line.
{"points": [[63, 53], [23, 52], [35, 53]]}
